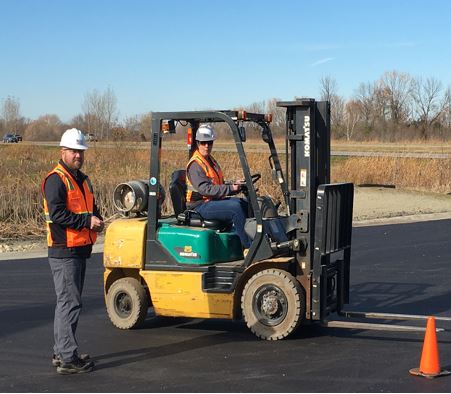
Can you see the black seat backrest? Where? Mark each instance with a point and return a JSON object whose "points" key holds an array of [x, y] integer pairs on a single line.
{"points": [[177, 188]]}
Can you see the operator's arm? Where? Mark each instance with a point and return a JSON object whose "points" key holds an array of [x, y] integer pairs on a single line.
{"points": [[56, 196], [204, 184]]}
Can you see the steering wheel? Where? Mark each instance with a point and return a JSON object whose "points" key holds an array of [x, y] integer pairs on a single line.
{"points": [[255, 178]]}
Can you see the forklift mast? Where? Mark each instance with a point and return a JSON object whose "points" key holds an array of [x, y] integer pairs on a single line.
{"points": [[323, 210], [308, 165]]}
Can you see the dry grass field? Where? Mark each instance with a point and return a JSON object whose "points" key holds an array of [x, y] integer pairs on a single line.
{"points": [[22, 168], [415, 146]]}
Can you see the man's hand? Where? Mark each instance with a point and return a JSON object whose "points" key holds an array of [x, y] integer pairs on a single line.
{"points": [[238, 185], [97, 225]]}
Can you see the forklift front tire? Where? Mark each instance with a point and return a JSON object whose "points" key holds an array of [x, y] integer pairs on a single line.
{"points": [[127, 303], [273, 304]]}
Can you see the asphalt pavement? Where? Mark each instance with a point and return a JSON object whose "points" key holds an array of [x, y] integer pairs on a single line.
{"points": [[403, 268]]}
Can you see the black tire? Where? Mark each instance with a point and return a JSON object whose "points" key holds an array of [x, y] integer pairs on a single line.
{"points": [[127, 303], [273, 304]]}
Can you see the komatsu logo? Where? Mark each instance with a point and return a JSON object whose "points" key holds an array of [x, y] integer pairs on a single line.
{"points": [[187, 252], [307, 136]]}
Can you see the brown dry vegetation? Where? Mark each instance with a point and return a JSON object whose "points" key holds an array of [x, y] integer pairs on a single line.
{"points": [[433, 175], [22, 169]]}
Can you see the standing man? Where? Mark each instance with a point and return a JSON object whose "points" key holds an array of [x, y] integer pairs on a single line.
{"points": [[73, 222]]}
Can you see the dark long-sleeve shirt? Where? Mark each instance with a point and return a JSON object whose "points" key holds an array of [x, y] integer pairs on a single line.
{"points": [[204, 185]]}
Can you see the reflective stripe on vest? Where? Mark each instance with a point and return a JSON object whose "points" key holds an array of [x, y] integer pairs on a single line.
{"points": [[76, 203], [213, 172]]}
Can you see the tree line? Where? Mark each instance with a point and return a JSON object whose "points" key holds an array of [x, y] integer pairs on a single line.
{"points": [[396, 107], [99, 117]]}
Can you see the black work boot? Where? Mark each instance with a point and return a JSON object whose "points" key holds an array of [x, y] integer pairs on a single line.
{"points": [[76, 366], [56, 360]]}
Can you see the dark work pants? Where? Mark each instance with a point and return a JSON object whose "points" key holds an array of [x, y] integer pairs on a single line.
{"points": [[234, 209], [68, 277]]}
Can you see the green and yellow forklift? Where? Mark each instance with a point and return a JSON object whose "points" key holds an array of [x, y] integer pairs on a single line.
{"points": [[297, 268]]}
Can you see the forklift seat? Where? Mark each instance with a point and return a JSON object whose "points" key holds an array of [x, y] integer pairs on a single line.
{"points": [[188, 217]]}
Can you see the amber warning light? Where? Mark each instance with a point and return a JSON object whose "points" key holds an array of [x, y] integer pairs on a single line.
{"points": [[241, 115], [268, 118], [189, 137]]}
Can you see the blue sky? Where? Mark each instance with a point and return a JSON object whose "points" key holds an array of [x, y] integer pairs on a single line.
{"points": [[190, 55]]}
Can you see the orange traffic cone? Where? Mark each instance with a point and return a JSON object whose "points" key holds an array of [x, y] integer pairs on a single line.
{"points": [[430, 363]]}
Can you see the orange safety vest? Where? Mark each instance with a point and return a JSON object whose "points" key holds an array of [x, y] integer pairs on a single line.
{"points": [[213, 172], [76, 203]]}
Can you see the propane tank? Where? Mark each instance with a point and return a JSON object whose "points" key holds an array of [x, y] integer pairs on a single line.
{"points": [[132, 197]]}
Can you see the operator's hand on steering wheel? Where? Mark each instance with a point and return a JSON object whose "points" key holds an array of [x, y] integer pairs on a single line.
{"points": [[236, 186]]}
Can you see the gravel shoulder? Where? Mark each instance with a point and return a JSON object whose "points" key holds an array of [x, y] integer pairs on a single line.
{"points": [[378, 205], [372, 206]]}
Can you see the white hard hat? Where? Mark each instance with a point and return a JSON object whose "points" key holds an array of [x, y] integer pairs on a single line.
{"points": [[205, 133], [74, 139]]}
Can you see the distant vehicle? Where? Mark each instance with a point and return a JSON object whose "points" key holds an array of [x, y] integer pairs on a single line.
{"points": [[91, 137], [9, 138], [18, 137]]}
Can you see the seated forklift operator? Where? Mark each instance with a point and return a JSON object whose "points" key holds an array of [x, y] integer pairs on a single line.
{"points": [[206, 192]]}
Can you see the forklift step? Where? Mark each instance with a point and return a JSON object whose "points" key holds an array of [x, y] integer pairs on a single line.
{"points": [[219, 280]]}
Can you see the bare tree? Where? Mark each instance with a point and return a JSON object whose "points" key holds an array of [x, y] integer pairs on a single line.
{"points": [[329, 92], [329, 88], [45, 128], [366, 99], [90, 107], [145, 128], [337, 111], [395, 89], [352, 117], [132, 124], [110, 109], [447, 111], [278, 115], [258, 107], [11, 114], [428, 103], [80, 122], [99, 110]]}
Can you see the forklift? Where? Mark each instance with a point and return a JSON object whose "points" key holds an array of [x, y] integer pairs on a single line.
{"points": [[297, 269]]}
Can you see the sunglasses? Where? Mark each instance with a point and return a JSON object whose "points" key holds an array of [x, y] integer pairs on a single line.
{"points": [[205, 142]]}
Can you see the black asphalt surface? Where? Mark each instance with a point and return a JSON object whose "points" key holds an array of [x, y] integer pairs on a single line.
{"points": [[397, 268]]}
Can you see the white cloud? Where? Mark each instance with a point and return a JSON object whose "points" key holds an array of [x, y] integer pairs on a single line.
{"points": [[322, 61]]}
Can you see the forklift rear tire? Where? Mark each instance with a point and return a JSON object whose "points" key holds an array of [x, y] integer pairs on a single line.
{"points": [[127, 303], [273, 304]]}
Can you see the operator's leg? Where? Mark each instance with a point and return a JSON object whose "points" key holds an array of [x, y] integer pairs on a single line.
{"points": [[233, 209], [68, 277]]}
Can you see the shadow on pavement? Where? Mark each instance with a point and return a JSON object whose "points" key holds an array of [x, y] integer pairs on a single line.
{"points": [[394, 297], [152, 353]]}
